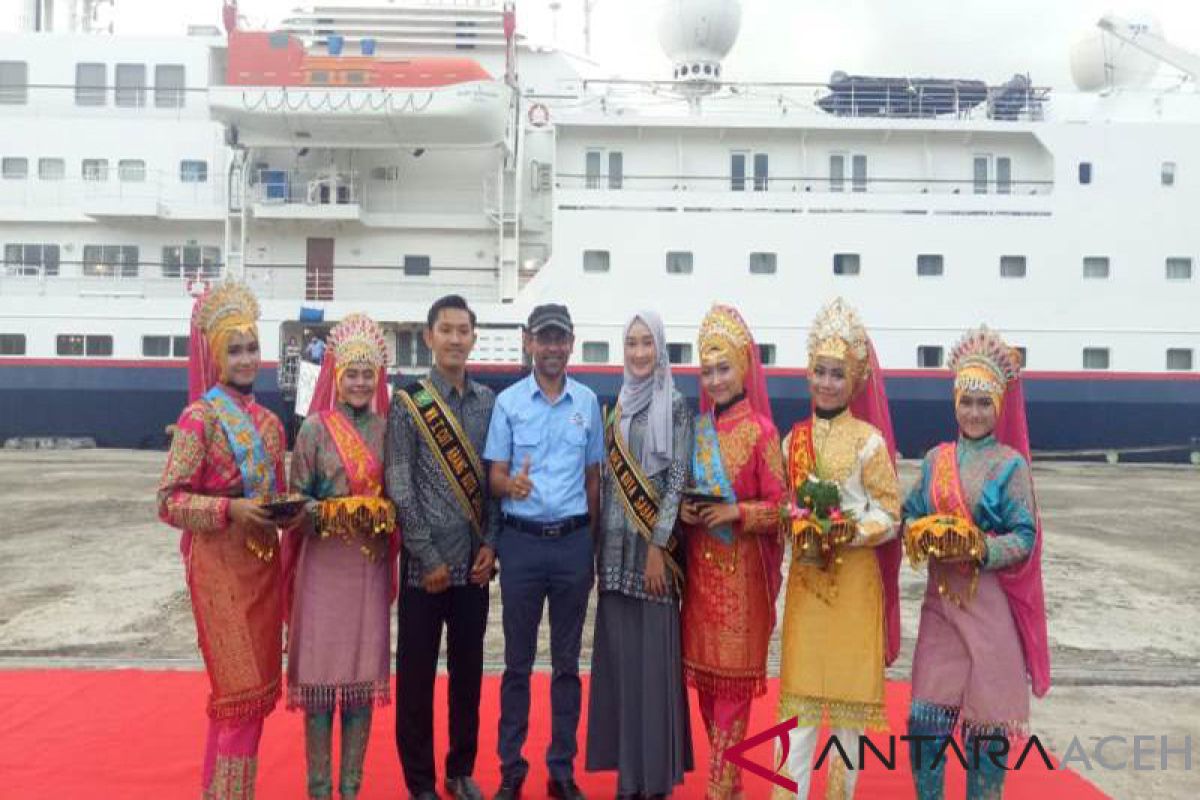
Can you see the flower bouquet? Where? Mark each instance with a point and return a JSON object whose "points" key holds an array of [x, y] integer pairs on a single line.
{"points": [[817, 522]]}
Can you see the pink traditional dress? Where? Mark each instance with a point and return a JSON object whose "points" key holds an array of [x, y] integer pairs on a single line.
{"points": [[227, 446], [339, 568], [982, 643], [733, 574]]}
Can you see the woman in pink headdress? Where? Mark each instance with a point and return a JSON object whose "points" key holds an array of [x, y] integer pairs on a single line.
{"points": [[982, 642], [339, 564], [226, 455], [733, 546]]}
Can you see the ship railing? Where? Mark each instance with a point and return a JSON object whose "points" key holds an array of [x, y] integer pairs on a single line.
{"points": [[140, 191], [322, 187], [853, 97], [848, 184], [371, 282]]}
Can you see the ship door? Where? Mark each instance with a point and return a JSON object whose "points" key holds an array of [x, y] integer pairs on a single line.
{"points": [[318, 279]]}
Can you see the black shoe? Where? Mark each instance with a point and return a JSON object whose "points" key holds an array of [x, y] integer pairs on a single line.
{"points": [[463, 788], [564, 790], [426, 794], [509, 790]]}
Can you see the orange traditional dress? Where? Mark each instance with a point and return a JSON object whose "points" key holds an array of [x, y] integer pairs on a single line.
{"points": [[227, 446], [733, 574]]}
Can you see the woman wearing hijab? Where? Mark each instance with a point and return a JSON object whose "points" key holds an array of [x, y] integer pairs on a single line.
{"points": [[982, 640], [733, 545], [638, 718], [339, 566]]}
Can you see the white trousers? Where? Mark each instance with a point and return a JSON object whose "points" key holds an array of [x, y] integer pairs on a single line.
{"points": [[840, 781]]}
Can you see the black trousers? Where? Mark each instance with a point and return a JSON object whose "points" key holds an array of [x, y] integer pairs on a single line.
{"points": [[463, 610]]}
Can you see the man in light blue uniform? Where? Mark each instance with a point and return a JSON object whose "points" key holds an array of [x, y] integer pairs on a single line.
{"points": [[545, 445]]}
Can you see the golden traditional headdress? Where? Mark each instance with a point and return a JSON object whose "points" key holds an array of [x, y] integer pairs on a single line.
{"points": [[983, 362], [724, 334], [838, 333], [358, 339], [228, 308]]}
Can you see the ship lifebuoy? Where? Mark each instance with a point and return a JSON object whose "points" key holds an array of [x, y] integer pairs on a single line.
{"points": [[539, 115]]}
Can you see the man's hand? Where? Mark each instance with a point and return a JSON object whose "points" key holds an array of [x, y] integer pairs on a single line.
{"points": [[519, 485], [656, 572], [436, 581], [484, 566]]}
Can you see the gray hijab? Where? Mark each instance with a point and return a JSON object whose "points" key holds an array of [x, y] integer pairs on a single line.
{"points": [[653, 392]]}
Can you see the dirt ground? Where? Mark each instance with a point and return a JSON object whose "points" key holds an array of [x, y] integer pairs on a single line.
{"points": [[91, 578]]}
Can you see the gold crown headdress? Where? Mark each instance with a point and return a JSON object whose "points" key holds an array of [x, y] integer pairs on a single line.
{"points": [[838, 333], [724, 333], [228, 305], [983, 362], [358, 339]]}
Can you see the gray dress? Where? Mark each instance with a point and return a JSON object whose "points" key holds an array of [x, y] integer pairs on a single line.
{"points": [[638, 720]]}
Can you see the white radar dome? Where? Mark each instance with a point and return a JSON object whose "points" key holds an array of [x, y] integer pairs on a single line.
{"points": [[1100, 60], [696, 35]]}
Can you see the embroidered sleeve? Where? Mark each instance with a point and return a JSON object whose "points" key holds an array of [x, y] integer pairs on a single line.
{"points": [[761, 515], [878, 523], [181, 501], [403, 449], [916, 505], [304, 459], [276, 443], [1017, 508], [677, 473]]}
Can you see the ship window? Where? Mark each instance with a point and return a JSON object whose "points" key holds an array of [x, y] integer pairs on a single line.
{"points": [[858, 173], [110, 260], [391, 173], [411, 350], [417, 265], [1085, 172], [930, 265], [193, 171], [356, 76], [616, 169], [179, 346], [980, 175], [846, 263], [595, 352], [837, 173], [1179, 358], [14, 169], [593, 162], [156, 346], [679, 352], [763, 263], [1012, 266], [760, 172], [1179, 269], [130, 89], [1095, 267], [1095, 358], [98, 346], [169, 82], [766, 354], [69, 344], [1003, 175], [595, 261], [89, 84], [737, 172], [12, 344], [131, 171], [191, 261], [31, 259], [679, 262], [95, 169], [14, 83], [929, 356], [1168, 172], [52, 169], [318, 76], [77, 344]]}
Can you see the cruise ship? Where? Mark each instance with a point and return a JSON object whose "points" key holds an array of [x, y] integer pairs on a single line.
{"points": [[375, 156]]}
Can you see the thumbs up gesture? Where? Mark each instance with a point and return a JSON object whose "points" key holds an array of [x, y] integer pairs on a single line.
{"points": [[519, 485]]}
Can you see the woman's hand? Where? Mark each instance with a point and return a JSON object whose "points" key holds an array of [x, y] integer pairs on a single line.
{"points": [[656, 572], [689, 512], [714, 515], [244, 511]]}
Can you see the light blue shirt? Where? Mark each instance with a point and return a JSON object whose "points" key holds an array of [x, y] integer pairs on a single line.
{"points": [[560, 440]]}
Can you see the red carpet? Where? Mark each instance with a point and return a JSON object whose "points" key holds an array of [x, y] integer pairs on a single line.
{"points": [[131, 734]]}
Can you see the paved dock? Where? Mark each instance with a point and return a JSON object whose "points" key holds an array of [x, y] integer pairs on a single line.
{"points": [[92, 579]]}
